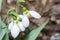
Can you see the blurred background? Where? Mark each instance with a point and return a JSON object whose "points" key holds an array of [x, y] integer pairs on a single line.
{"points": [[47, 9]]}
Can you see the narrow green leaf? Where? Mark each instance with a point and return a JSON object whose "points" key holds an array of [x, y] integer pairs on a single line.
{"points": [[34, 33], [2, 24], [7, 15], [0, 4], [14, 13], [2, 33], [6, 37], [3, 29]]}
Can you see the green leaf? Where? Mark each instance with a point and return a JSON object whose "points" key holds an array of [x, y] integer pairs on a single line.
{"points": [[6, 37], [14, 13], [2, 24], [21, 0], [2, 33], [0, 4], [3, 29], [34, 33], [10, 10]]}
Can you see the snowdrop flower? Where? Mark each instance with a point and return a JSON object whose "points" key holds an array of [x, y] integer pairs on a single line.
{"points": [[34, 14], [16, 26]]}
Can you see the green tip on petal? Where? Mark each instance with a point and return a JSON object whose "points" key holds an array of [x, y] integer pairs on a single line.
{"points": [[26, 13], [14, 18], [17, 22]]}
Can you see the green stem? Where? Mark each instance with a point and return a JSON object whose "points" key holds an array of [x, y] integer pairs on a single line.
{"points": [[6, 16], [17, 7], [11, 9]]}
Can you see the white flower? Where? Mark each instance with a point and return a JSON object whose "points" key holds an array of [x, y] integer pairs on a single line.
{"points": [[25, 20], [33, 14], [22, 22], [16, 26]]}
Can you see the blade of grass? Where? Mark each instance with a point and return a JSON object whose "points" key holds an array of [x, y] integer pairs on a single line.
{"points": [[0, 4], [3, 29], [34, 33]]}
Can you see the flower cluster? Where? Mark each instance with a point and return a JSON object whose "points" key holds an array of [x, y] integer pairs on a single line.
{"points": [[22, 22]]}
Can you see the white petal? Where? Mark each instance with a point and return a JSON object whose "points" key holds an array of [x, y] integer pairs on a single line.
{"points": [[10, 26], [25, 20], [15, 31], [21, 26], [35, 14]]}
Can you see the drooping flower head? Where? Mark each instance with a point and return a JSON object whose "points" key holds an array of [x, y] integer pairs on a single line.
{"points": [[18, 25], [20, 22], [34, 14]]}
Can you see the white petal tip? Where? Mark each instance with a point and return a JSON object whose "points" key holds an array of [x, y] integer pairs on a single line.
{"points": [[20, 25], [15, 31], [35, 14]]}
